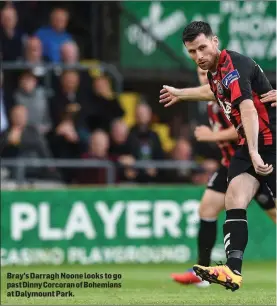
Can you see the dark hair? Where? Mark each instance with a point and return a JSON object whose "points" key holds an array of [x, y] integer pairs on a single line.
{"points": [[196, 28], [27, 73]]}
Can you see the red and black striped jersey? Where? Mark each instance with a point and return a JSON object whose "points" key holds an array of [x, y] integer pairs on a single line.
{"points": [[239, 78], [219, 122]]}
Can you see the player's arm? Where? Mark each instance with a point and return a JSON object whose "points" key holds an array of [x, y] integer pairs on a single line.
{"points": [[250, 122], [204, 133], [238, 80], [171, 95], [229, 134]]}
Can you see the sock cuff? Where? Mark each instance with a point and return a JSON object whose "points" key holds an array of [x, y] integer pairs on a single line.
{"points": [[236, 214], [207, 220]]}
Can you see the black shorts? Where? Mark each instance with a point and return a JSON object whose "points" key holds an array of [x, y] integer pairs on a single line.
{"points": [[241, 163], [218, 182]]}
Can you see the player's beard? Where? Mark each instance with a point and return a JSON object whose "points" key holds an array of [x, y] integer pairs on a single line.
{"points": [[213, 66], [217, 58]]}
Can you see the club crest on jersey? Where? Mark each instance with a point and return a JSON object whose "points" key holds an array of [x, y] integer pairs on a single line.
{"points": [[230, 78], [219, 88]]}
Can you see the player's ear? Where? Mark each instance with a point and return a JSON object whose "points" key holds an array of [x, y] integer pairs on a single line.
{"points": [[215, 40]]}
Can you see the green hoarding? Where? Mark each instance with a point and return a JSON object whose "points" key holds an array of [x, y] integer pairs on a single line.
{"points": [[248, 27], [115, 225]]}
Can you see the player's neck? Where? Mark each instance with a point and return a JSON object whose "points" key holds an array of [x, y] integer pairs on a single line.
{"points": [[214, 68]]}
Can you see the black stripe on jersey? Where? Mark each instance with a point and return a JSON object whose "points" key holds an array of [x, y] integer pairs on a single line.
{"points": [[223, 120]]}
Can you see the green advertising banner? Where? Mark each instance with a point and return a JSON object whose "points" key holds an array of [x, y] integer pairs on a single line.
{"points": [[115, 225], [248, 27]]}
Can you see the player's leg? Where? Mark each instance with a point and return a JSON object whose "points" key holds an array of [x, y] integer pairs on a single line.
{"points": [[266, 202], [240, 192], [242, 188], [212, 203]]}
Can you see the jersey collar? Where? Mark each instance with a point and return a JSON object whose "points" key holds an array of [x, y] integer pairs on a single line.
{"points": [[222, 57]]}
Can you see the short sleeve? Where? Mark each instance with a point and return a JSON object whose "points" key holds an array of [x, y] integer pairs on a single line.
{"points": [[238, 79]]}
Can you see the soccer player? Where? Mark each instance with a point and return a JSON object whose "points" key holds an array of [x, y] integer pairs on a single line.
{"points": [[237, 83], [212, 203]]}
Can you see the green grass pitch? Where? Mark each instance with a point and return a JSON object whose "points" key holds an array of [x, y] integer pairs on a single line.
{"points": [[151, 284]]}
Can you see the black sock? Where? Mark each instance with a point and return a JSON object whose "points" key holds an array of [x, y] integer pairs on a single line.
{"points": [[206, 241], [235, 238]]}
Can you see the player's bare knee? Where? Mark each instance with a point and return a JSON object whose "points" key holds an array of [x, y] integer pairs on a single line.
{"points": [[207, 212], [233, 200], [211, 205], [240, 191]]}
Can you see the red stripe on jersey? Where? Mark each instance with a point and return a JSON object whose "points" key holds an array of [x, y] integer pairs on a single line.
{"points": [[229, 151], [224, 72], [210, 110], [232, 151], [236, 92], [225, 160]]}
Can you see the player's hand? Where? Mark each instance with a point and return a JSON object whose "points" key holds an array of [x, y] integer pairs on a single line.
{"points": [[204, 133], [170, 95], [260, 167], [269, 97]]}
